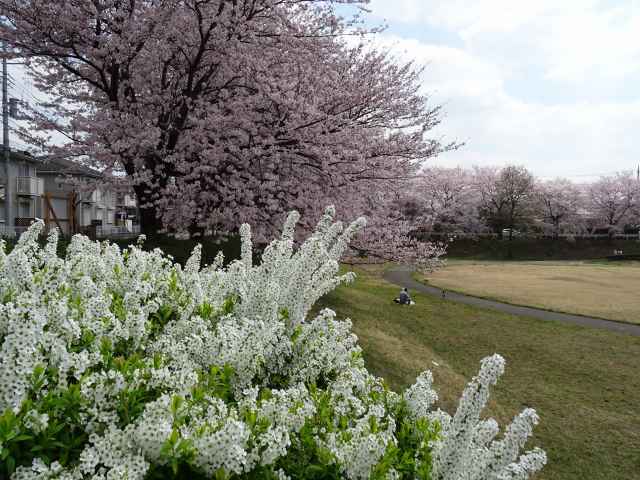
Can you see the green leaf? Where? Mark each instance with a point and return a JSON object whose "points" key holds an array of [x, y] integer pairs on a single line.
{"points": [[296, 333], [11, 464], [221, 474]]}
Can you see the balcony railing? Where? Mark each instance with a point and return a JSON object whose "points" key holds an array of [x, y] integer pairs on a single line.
{"points": [[100, 199], [24, 222], [92, 197], [126, 201], [29, 186], [115, 231]]}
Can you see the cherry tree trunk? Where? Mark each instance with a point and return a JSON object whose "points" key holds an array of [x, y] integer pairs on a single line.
{"points": [[150, 223]]}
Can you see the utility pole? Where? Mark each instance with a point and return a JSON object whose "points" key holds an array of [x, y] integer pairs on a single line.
{"points": [[5, 141]]}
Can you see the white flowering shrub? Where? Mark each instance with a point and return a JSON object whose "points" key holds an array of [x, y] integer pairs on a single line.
{"points": [[124, 365]]}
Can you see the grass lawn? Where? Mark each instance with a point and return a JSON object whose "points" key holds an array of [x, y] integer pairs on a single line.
{"points": [[605, 290], [584, 383]]}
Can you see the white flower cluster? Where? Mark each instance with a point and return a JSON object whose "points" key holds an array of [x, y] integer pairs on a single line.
{"points": [[468, 449], [121, 364]]}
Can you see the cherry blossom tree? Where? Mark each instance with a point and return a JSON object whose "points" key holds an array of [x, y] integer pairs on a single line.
{"points": [[614, 199], [559, 202], [447, 198], [392, 235], [506, 196], [222, 112]]}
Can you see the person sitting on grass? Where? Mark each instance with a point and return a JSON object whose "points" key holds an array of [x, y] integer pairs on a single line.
{"points": [[404, 298]]}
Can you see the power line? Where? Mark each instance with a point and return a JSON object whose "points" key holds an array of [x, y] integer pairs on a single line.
{"points": [[22, 146], [24, 89], [5, 137], [10, 81], [28, 82], [38, 102], [26, 92]]}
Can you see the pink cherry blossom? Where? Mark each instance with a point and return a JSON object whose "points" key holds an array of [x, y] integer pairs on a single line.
{"points": [[226, 112]]}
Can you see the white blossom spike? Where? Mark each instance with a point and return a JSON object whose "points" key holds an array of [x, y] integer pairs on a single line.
{"points": [[225, 366]]}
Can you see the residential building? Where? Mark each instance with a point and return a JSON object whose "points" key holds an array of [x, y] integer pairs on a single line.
{"points": [[20, 193], [71, 201], [64, 194], [127, 216]]}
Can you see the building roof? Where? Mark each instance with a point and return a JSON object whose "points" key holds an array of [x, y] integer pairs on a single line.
{"points": [[19, 156], [62, 166], [58, 166]]}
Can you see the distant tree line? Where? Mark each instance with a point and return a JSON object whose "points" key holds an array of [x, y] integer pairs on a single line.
{"points": [[510, 201]]}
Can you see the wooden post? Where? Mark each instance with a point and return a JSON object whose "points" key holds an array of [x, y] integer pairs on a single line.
{"points": [[47, 219], [53, 213], [73, 226], [70, 213]]}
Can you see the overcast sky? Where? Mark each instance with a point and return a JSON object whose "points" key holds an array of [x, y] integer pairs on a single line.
{"points": [[550, 84]]}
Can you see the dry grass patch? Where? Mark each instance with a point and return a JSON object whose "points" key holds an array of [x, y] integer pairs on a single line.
{"points": [[600, 290]]}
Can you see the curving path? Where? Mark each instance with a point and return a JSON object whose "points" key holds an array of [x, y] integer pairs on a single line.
{"points": [[401, 276]]}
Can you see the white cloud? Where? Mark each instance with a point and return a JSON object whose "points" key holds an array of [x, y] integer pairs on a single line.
{"points": [[572, 38], [592, 43], [448, 69], [585, 47], [552, 140]]}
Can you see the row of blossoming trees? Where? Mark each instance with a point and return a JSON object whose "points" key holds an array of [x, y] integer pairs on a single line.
{"points": [[226, 111], [491, 199]]}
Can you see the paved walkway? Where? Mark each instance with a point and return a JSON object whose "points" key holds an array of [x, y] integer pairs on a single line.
{"points": [[401, 276]]}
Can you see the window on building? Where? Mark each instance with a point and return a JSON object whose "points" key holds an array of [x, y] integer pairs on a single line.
{"points": [[86, 216], [24, 170], [38, 208], [26, 209]]}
